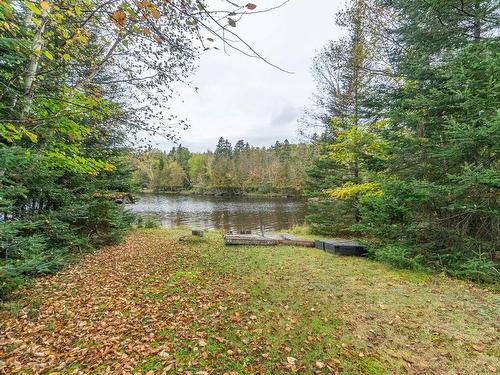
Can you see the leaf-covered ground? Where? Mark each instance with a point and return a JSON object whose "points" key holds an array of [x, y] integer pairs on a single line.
{"points": [[163, 302]]}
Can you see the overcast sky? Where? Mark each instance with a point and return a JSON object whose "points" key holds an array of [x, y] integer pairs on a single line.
{"points": [[243, 98]]}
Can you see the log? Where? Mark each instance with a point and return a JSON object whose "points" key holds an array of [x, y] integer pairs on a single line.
{"points": [[303, 243]]}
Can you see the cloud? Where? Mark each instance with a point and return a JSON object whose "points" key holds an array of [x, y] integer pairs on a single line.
{"points": [[286, 115], [244, 98]]}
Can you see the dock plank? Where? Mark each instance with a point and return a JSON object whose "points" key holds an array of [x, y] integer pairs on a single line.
{"points": [[339, 247], [266, 240]]}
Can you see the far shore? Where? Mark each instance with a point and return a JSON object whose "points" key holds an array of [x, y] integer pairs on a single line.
{"points": [[225, 193]]}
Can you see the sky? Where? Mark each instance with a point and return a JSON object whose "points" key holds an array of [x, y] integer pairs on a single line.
{"points": [[239, 97]]}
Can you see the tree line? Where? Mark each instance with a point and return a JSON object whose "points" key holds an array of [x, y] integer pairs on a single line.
{"points": [[407, 111], [239, 169]]}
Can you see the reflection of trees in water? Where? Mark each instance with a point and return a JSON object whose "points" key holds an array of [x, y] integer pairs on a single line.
{"points": [[227, 214], [272, 218], [223, 219], [178, 219]]}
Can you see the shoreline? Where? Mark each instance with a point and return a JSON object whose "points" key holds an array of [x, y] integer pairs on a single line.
{"points": [[208, 193]]}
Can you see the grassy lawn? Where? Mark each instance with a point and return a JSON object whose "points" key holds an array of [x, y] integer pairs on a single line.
{"points": [[164, 302]]}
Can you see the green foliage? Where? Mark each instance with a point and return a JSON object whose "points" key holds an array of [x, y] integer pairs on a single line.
{"points": [[325, 215], [279, 169], [479, 268], [60, 149], [330, 217], [147, 221], [424, 181], [400, 256]]}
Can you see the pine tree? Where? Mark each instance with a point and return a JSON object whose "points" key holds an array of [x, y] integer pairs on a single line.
{"points": [[344, 72], [438, 208]]}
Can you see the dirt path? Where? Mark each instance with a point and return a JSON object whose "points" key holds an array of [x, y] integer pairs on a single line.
{"points": [[165, 303]]}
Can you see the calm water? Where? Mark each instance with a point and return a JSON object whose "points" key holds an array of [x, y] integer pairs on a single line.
{"points": [[229, 213]]}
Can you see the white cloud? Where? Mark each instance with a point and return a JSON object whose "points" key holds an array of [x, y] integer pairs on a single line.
{"points": [[244, 98]]}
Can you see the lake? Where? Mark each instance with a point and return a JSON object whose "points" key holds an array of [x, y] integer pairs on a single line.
{"points": [[228, 213]]}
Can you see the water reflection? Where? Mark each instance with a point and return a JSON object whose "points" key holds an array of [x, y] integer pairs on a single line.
{"points": [[228, 213]]}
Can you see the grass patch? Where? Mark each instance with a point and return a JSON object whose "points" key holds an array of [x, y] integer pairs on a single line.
{"points": [[169, 302]]}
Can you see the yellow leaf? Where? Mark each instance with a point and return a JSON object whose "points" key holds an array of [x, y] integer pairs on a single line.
{"points": [[44, 5], [119, 17], [349, 190], [155, 13]]}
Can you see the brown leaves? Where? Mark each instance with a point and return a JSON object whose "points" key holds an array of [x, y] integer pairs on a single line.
{"points": [[251, 6], [148, 9], [236, 317], [115, 308], [156, 299], [319, 364], [143, 4], [119, 17]]}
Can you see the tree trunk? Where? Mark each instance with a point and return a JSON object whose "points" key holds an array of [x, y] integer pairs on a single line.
{"points": [[29, 77], [477, 21]]}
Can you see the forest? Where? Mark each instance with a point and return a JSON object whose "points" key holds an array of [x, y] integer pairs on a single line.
{"points": [[80, 82], [398, 153], [400, 145], [409, 101], [227, 170]]}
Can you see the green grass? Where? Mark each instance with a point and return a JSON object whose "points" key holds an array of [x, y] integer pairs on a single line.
{"points": [[388, 318], [185, 304]]}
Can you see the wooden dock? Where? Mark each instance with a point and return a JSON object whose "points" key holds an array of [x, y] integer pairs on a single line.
{"points": [[268, 239], [339, 247]]}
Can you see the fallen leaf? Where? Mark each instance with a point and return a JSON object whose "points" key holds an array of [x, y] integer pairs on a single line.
{"points": [[291, 360], [320, 364]]}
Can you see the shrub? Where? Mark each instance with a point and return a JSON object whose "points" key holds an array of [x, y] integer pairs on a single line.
{"points": [[147, 221], [478, 268], [399, 256], [330, 217]]}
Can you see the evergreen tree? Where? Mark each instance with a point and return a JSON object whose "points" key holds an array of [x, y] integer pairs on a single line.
{"points": [[344, 73], [437, 208], [223, 148], [239, 147]]}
